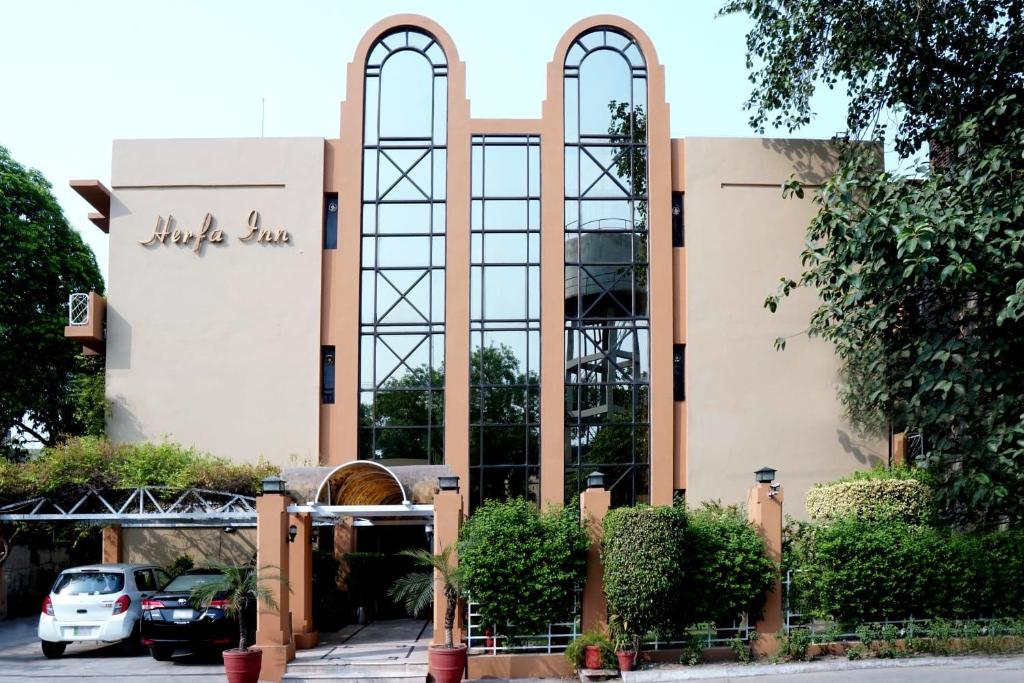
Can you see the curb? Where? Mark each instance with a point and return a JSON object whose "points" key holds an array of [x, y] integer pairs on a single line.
{"points": [[752, 670]]}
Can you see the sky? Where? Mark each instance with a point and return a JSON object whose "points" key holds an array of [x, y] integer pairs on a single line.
{"points": [[78, 75]]}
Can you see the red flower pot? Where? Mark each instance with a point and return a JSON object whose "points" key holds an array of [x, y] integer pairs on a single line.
{"points": [[243, 666], [626, 660], [591, 657], [447, 664]]}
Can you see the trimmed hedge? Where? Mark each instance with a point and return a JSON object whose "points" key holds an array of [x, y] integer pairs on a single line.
{"points": [[522, 566], [644, 552], [898, 493], [859, 570], [726, 569], [84, 462]]}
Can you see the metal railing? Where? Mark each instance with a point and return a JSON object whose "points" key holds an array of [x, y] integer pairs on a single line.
{"points": [[78, 309], [558, 636], [707, 635], [822, 631]]}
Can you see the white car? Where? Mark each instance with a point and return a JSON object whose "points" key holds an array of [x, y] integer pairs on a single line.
{"points": [[99, 602]]}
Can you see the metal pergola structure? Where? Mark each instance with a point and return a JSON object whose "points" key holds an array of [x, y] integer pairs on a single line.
{"points": [[145, 506], [159, 506]]}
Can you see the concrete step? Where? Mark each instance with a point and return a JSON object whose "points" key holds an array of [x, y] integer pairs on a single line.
{"points": [[326, 664], [326, 671]]}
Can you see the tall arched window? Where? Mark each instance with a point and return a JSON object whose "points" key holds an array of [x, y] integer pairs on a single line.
{"points": [[607, 338], [401, 369]]}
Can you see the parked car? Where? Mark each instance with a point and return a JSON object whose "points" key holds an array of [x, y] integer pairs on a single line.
{"points": [[100, 602], [171, 619]]}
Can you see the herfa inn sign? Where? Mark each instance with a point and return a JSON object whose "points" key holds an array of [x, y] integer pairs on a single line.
{"points": [[166, 231]]}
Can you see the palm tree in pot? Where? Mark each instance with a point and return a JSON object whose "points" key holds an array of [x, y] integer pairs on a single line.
{"points": [[416, 591], [239, 591]]}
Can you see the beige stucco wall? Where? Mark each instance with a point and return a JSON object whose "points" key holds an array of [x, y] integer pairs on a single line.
{"points": [[747, 404], [163, 546], [219, 349]]}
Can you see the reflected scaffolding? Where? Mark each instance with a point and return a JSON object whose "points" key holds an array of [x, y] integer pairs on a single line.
{"points": [[607, 340]]}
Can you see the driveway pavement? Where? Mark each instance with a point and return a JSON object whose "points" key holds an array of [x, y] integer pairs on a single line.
{"points": [[22, 660]]}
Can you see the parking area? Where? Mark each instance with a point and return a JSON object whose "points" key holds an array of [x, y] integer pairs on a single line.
{"points": [[22, 660]]}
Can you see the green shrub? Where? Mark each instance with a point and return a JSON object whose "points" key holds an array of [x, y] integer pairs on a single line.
{"points": [[795, 646], [644, 552], [856, 570], [180, 565], [522, 566], [90, 462], [899, 493], [727, 571], [574, 651]]}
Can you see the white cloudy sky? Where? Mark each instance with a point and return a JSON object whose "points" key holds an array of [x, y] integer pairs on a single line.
{"points": [[79, 74]]}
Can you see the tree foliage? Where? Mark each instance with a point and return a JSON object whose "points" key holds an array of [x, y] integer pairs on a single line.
{"points": [[42, 261], [920, 277], [522, 566], [643, 554]]}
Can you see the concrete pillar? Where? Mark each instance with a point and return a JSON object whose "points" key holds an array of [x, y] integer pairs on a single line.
{"points": [[112, 549], [300, 567], [594, 504], [273, 627], [344, 543], [899, 449], [447, 520], [764, 510]]}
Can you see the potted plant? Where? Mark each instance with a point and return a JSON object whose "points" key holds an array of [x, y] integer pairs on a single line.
{"points": [[240, 589], [624, 642], [590, 651], [416, 591]]}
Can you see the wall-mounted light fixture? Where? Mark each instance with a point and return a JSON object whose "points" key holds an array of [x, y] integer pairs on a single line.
{"points": [[293, 531], [429, 531], [314, 535]]}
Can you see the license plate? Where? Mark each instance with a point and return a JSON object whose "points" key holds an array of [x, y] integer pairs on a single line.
{"points": [[79, 630], [182, 615]]}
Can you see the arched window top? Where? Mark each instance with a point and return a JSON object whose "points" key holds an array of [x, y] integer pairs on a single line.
{"points": [[605, 39], [406, 40]]}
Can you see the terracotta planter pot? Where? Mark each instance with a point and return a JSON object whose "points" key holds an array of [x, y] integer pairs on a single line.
{"points": [[626, 660], [243, 666], [591, 657], [447, 664]]}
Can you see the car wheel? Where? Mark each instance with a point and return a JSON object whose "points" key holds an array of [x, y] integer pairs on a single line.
{"points": [[53, 650], [161, 653], [132, 645]]}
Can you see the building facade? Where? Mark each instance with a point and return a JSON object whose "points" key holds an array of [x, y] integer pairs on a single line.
{"points": [[523, 300]]}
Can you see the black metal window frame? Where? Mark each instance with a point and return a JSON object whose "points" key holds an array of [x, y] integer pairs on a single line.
{"points": [[402, 156], [587, 328], [482, 324], [331, 221]]}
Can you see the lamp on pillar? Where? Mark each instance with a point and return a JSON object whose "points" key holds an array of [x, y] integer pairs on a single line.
{"points": [[448, 483], [765, 475], [272, 485], [595, 480], [293, 531]]}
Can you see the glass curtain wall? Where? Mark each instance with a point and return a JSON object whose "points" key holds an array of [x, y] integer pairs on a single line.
{"points": [[504, 442], [607, 339], [401, 342]]}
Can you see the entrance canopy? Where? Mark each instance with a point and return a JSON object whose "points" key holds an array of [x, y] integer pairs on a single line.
{"points": [[372, 493]]}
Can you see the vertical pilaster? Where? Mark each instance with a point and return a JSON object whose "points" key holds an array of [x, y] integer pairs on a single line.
{"points": [[447, 520], [273, 629], [594, 504], [300, 568], [764, 510], [112, 546]]}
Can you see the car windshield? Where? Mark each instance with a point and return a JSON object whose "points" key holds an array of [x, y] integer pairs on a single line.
{"points": [[89, 583], [186, 582]]}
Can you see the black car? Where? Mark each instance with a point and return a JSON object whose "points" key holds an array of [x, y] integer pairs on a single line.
{"points": [[171, 620]]}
